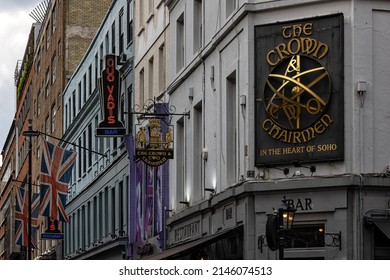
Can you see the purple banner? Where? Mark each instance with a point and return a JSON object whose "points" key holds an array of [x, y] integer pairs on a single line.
{"points": [[138, 199], [149, 207]]}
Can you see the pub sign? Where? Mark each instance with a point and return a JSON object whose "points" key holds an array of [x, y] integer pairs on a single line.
{"points": [[154, 142], [299, 91], [110, 100]]}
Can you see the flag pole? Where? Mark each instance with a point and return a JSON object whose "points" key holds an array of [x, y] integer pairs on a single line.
{"points": [[30, 133]]}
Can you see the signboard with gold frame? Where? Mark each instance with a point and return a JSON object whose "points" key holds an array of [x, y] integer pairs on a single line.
{"points": [[299, 91], [154, 142]]}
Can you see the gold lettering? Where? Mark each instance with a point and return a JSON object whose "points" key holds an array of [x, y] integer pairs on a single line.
{"points": [[297, 30], [307, 29], [295, 137], [286, 29], [281, 49], [308, 134], [326, 120], [308, 45], [319, 127], [269, 58], [324, 52], [297, 47]]}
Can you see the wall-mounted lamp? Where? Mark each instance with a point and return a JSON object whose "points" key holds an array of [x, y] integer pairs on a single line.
{"points": [[361, 88], [210, 190], [191, 94], [312, 168], [212, 77], [243, 101], [285, 170], [298, 173], [186, 203], [205, 154]]}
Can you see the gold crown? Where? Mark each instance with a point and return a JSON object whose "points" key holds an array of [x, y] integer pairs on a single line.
{"points": [[154, 122]]}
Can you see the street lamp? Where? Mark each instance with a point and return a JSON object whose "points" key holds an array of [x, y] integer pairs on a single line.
{"points": [[286, 215], [29, 133], [277, 224]]}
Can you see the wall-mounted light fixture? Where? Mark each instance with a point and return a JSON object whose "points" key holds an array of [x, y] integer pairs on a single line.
{"points": [[243, 101], [186, 203], [285, 170], [205, 154], [212, 77], [191, 94], [312, 168], [361, 88], [211, 190]]}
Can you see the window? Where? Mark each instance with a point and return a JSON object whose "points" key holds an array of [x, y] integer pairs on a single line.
{"points": [[197, 148], [47, 81], [101, 57], [96, 70], [84, 155], [151, 78], [230, 7], [90, 136], [38, 103], [113, 38], [129, 21], [48, 33], [80, 157], [197, 25], [66, 116], [53, 68], [305, 236], [47, 125], [84, 88], [180, 42], [54, 25], [107, 43], [231, 129], [53, 117], [79, 94], [89, 80], [141, 12], [180, 160], [161, 65], [129, 105], [151, 6], [74, 104], [121, 33], [141, 87]]}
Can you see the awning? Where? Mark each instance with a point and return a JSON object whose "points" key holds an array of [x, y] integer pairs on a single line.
{"points": [[190, 245], [383, 225]]}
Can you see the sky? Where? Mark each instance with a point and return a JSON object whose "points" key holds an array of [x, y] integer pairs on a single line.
{"points": [[15, 25]]}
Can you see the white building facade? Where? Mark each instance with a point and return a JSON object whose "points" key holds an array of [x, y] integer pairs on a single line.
{"points": [[98, 193], [259, 129]]}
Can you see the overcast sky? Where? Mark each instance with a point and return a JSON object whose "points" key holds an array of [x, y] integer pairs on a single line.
{"points": [[15, 25]]}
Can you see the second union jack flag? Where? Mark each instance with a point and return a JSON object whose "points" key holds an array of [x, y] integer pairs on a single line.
{"points": [[21, 217], [56, 171]]}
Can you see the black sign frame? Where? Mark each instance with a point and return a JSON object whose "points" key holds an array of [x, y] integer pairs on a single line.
{"points": [[322, 138]]}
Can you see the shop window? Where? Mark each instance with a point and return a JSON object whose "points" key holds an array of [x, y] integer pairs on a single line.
{"points": [[306, 236]]}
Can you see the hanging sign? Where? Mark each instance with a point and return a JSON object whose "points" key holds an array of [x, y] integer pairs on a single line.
{"points": [[299, 91], [153, 145], [52, 231], [110, 126]]}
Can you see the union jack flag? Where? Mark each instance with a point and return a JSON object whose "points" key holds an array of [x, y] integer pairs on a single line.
{"points": [[21, 217], [56, 171]]}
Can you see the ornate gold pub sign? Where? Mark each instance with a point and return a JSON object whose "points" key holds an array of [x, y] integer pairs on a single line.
{"points": [[153, 144]]}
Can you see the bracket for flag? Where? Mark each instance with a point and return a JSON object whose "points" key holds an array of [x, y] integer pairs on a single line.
{"points": [[70, 143]]}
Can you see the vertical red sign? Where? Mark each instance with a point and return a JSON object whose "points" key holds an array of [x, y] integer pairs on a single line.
{"points": [[110, 100]]}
